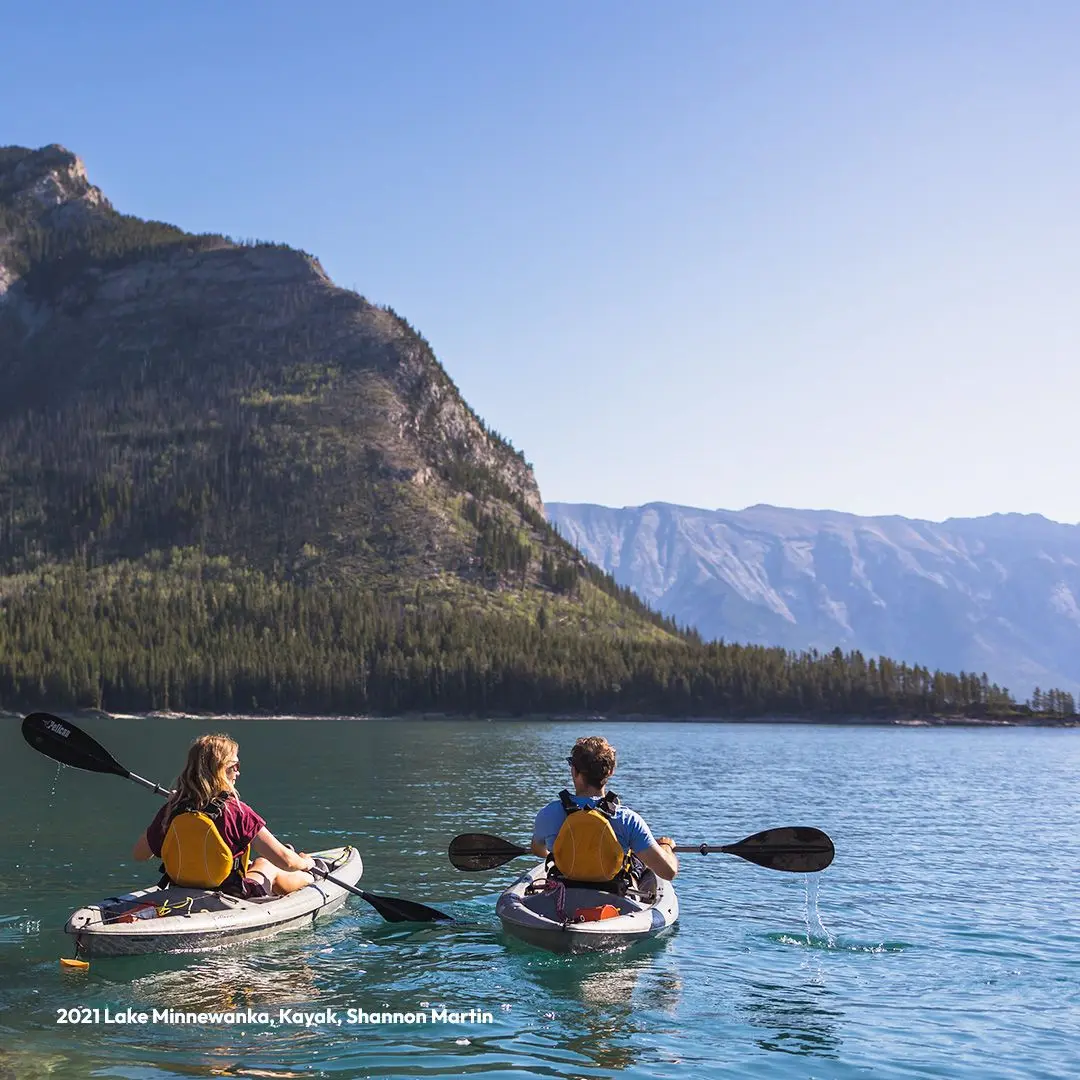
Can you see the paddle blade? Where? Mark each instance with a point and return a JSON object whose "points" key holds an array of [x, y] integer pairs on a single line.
{"points": [[394, 909], [391, 908], [479, 851], [64, 742], [797, 849]]}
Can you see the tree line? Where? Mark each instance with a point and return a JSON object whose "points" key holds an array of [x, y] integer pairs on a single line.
{"points": [[196, 634]]}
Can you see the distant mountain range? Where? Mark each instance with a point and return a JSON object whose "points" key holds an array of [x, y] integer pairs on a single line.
{"points": [[995, 594]]}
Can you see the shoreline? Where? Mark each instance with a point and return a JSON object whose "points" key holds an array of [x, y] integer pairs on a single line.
{"points": [[821, 720]]}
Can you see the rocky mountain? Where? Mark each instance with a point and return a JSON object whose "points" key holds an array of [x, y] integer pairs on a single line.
{"points": [[227, 484], [996, 594], [161, 391]]}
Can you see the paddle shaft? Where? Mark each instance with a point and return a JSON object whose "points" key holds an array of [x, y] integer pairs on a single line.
{"points": [[794, 849], [315, 872], [738, 849], [703, 849], [157, 788]]}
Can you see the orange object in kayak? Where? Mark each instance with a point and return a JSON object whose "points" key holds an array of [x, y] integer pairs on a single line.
{"points": [[594, 914]]}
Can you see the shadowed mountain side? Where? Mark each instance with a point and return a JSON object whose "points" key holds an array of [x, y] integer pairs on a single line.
{"points": [[166, 390], [995, 594]]}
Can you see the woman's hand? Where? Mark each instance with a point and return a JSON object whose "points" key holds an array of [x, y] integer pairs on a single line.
{"points": [[303, 860], [281, 855]]}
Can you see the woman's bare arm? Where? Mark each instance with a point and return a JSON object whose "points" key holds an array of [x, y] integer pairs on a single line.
{"points": [[281, 855]]}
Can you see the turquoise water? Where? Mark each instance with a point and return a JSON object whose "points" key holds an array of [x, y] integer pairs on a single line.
{"points": [[943, 942]]}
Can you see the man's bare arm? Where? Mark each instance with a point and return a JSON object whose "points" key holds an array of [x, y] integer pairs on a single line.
{"points": [[660, 859]]}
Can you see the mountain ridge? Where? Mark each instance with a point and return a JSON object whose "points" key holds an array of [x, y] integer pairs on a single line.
{"points": [[123, 325], [995, 593]]}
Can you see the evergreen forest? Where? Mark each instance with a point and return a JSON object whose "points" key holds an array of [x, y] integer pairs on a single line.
{"points": [[194, 634]]}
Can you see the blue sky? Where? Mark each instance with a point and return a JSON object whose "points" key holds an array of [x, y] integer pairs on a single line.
{"points": [[812, 254]]}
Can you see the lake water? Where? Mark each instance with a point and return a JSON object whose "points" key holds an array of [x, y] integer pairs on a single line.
{"points": [[944, 941]]}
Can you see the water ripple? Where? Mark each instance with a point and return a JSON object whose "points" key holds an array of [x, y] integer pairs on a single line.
{"points": [[943, 942]]}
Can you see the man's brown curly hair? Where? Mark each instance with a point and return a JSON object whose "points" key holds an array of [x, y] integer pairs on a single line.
{"points": [[594, 758]]}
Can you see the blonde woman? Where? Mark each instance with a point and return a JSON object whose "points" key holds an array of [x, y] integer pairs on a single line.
{"points": [[204, 833]]}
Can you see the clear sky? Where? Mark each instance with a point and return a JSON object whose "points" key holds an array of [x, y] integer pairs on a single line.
{"points": [[816, 254]]}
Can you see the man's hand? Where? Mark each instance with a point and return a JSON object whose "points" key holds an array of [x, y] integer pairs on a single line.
{"points": [[667, 842]]}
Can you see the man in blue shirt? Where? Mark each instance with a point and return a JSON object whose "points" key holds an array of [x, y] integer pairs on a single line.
{"points": [[592, 764]]}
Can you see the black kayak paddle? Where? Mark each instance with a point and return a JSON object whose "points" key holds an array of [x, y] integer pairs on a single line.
{"points": [[797, 849], [391, 908], [62, 741]]}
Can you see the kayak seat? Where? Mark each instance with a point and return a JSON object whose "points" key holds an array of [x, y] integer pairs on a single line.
{"points": [[546, 904]]}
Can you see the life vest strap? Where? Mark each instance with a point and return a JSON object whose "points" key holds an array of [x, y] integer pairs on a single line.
{"points": [[623, 880], [607, 805]]}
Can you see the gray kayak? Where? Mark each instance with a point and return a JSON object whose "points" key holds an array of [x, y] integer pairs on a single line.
{"points": [[178, 920], [530, 912]]}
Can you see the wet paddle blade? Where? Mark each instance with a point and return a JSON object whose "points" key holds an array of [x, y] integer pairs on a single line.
{"points": [[797, 849], [393, 909], [64, 742], [479, 851]]}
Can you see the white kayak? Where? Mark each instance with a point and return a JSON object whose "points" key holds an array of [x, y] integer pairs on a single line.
{"points": [[177, 920], [531, 912]]}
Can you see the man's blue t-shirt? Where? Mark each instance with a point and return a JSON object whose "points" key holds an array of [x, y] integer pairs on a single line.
{"points": [[629, 826]]}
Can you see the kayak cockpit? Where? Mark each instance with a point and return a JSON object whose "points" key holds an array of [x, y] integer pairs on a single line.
{"points": [[175, 919], [573, 918]]}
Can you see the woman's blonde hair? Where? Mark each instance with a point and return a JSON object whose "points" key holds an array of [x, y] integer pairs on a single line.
{"points": [[204, 778]]}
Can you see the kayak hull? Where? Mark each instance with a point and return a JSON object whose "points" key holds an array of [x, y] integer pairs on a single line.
{"points": [[201, 920], [532, 916]]}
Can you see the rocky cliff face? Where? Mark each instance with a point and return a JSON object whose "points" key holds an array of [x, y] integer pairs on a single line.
{"points": [[43, 182], [45, 188], [996, 594], [163, 389]]}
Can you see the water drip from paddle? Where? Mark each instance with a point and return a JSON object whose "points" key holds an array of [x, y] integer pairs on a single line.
{"points": [[15, 928], [817, 933]]}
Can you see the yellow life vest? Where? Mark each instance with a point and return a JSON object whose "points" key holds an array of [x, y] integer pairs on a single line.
{"points": [[195, 853], [586, 847]]}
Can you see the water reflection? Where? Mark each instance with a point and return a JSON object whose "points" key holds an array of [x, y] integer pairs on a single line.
{"points": [[800, 1019], [604, 1003], [28, 1065], [14, 929], [230, 983]]}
